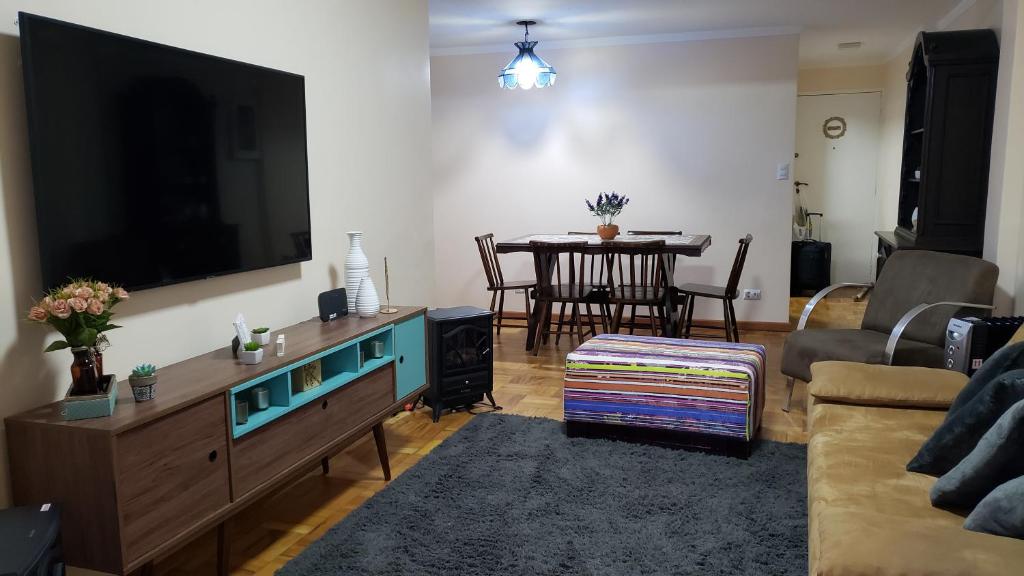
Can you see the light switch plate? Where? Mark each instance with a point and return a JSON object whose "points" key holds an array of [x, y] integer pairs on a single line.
{"points": [[782, 171]]}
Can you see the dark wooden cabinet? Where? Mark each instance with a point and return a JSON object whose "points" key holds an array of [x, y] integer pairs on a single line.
{"points": [[951, 85], [137, 484], [171, 474]]}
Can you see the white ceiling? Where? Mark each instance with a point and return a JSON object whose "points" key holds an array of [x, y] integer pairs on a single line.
{"points": [[884, 26]]}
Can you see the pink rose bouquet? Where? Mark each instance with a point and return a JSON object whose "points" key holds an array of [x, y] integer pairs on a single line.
{"points": [[80, 311]]}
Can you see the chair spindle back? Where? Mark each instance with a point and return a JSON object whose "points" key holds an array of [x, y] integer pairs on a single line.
{"points": [[489, 258], [635, 269], [556, 279], [737, 267]]}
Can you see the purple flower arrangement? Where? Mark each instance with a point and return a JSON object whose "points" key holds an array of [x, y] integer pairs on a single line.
{"points": [[607, 207]]}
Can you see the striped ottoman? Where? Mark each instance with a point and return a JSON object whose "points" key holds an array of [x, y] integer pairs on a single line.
{"points": [[689, 393]]}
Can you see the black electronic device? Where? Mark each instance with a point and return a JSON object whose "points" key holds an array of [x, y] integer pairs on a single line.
{"points": [[153, 165], [30, 543], [970, 341], [333, 304]]}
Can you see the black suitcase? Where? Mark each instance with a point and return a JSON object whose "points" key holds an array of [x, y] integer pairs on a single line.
{"points": [[810, 267]]}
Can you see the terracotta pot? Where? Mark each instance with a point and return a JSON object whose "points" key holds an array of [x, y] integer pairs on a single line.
{"points": [[608, 232]]}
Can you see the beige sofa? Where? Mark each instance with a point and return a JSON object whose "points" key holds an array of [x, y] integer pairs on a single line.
{"points": [[867, 514]]}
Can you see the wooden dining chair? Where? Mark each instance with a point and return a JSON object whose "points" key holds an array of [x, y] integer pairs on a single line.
{"points": [[689, 292], [636, 278], [669, 273], [560, 282], [497, 285], [595, 272]]}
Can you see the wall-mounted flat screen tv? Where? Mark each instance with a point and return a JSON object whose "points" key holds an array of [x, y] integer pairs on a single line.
{"points": [[154, 165]]}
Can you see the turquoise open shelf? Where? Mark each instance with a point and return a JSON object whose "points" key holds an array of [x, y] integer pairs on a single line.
{"points": [[338, 366]]}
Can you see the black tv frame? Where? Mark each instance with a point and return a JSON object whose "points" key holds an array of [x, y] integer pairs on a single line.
{"points": [[26, 18]]}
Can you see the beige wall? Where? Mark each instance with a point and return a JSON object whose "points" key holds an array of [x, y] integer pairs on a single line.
{"points": [[691, 131], [1005, 207], [368, 113], [841, 79]]}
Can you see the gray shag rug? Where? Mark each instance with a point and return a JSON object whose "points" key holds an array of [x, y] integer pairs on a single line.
{"points": [[510, 495]]}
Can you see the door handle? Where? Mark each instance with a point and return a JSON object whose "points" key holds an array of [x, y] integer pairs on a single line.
{"points": [[798, 184]]}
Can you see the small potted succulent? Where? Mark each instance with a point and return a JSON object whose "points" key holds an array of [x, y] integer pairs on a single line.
{"points": [[607, 207], [261, 335], [143, 382], [252, 353]]}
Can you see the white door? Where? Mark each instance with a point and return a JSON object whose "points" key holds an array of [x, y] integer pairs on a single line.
{"points": [[837, 155]]}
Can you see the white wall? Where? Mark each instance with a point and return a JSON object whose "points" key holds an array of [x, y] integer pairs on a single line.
{"points": [[368, 113], [1004, 242], [692, 132]]}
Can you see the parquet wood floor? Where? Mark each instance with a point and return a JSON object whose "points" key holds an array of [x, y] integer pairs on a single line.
{"points": [[268, 534]]}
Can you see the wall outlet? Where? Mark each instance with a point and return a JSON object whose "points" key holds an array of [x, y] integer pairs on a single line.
{"points": [[520, 291], [751, 293]]}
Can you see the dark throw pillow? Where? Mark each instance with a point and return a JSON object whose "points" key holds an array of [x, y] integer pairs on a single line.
{"points": [[995, 460], [1010, 357], [1001, 512], [954, 439]]}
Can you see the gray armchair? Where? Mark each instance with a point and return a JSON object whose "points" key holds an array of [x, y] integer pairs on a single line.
{"points": [[905, 321]]}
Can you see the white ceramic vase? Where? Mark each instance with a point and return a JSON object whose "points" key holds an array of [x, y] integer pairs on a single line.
{"points": [[357, 267], [368, 303]]}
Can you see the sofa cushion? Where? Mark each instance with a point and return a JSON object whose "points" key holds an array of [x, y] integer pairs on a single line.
{"points": [[805, 347], [1009, 357], [874, 385], [1001, 512], [995, 460], [868, 515], [961, 431]]}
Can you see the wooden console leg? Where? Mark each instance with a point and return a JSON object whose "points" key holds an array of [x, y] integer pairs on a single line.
{"points": [[382, 450], [144, 570], [223, 550], [325, 465]]}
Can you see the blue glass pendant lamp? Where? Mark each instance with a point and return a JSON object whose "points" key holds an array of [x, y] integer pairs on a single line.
{"points": [[526, 70]]}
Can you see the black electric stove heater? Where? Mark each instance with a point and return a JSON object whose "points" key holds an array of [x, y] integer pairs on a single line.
{"points": [[461, 369]]}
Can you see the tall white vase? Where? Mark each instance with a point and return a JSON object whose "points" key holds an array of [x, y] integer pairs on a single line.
{"points": [[368, 303], [357, 267]]}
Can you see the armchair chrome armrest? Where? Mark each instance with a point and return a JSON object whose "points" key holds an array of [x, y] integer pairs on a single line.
{"points": [[821, 296], [897, 331]]}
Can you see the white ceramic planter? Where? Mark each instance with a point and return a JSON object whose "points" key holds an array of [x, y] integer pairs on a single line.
{"points": [[247, 357], [357, 267], [263, 339], [368, 303]]}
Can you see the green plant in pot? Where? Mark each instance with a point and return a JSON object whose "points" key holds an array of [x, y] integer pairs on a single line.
{"points": [[261, 335], [143, 382], [607, 207], [251, 353]]}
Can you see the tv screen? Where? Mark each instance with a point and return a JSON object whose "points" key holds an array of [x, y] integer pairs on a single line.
{"points": [[154, 165]]}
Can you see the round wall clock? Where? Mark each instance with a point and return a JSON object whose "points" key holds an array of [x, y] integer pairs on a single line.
{"points": [[834, 128]]}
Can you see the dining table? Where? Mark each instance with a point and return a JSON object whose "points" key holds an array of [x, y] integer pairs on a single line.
{"points": [[692, 245]]}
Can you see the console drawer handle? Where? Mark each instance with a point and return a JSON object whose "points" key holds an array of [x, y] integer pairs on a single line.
{"points": [[213, 455], [401, 359], [324, 405]]}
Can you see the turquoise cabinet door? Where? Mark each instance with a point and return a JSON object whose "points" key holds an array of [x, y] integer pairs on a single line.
{"points": [[410, 356]]}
